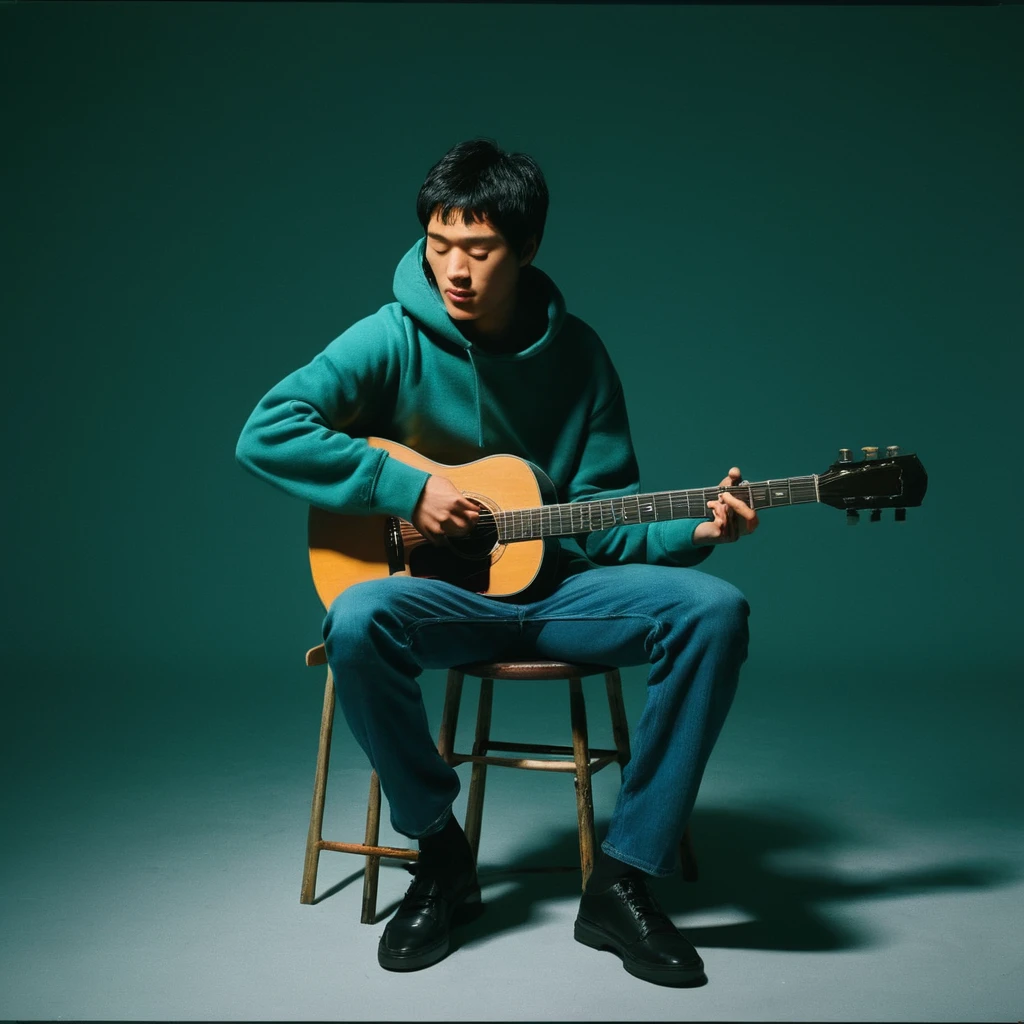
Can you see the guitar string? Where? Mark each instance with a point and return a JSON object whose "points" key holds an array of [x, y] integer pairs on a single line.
{"points": [[526, 522]]}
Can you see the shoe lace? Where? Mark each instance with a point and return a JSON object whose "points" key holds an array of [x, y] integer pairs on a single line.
{"points": [[644, 906], [422, 891]]}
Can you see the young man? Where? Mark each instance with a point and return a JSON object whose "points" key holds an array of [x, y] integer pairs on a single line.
{"points": [[478, 356]]}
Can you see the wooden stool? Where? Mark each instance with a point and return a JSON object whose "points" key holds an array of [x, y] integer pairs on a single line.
{"points": [[578, 759]]}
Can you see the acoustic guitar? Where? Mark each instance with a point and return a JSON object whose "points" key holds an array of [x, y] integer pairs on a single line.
{"points": [[514, 539]]}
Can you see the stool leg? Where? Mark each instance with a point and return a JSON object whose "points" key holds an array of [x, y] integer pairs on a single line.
{"points": [[617, 708], [450, 715], [478, 778], [372, 873], [584, 797], [316, 816]]}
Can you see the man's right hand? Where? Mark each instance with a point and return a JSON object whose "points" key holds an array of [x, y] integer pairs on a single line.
{"points": [[443, 511]]}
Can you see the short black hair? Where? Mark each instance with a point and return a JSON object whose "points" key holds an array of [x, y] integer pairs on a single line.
{"points": [[482, 180]]}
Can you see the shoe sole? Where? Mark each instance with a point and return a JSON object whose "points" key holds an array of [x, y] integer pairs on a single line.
{"points": [[597, 939], [466, 908]]}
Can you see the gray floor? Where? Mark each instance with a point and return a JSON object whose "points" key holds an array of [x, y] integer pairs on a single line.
{"points": [[858, 863]]}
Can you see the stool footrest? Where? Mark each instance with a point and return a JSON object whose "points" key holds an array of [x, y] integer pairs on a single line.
{"points": [[546, 765], [369, 851], [545, 748]]}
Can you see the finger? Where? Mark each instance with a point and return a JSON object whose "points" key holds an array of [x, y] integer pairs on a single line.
{"points": [[738, 505], [717, 516], [451, 525], [746, 516], [722, 518], [732, 525]]}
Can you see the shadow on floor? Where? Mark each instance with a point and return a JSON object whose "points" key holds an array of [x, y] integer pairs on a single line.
{"points": [[783, 908]]}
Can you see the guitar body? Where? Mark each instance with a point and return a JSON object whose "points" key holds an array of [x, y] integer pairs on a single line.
{"points": [[349, 549]]}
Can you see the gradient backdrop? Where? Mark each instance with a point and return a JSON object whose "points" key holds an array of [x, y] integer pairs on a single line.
{"points": [[795, 228]]}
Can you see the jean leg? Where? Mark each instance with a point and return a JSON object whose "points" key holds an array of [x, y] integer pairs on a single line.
{"points": [[379, 635], [691, 628]]}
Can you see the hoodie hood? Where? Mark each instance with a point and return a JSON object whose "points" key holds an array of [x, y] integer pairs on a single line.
{"points": [[422, 300]]}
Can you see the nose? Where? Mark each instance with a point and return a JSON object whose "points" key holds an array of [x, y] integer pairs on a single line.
{"points": [[458, 269]]}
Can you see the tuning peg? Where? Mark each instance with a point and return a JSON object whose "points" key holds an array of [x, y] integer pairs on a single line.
{"points": [[852, 517], [845, 455], [876, 515], [892, 451], [901, 515], [870, 453]]}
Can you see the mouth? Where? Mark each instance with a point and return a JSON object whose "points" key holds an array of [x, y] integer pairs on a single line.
{"points": [[459, 296]]}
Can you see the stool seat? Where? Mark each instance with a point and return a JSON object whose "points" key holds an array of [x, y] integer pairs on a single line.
{"points": [[532, 670]]}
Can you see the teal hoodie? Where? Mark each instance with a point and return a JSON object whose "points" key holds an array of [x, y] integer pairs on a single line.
{"points": [[407, 373]]}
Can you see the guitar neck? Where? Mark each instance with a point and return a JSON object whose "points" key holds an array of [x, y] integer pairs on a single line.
{"points": [[589, 516]]}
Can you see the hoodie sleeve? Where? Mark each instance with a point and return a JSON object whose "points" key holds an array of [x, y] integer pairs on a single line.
{"points": [[306, 435], [608, 469]]}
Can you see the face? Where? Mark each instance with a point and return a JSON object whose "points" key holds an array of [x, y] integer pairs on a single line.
{"points": [[475, 270]]}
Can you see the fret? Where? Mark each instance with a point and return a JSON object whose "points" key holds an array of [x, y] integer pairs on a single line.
{"points": [[758, 496]]}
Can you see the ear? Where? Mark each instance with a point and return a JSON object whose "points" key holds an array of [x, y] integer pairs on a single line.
{"points": [[529, 251]]}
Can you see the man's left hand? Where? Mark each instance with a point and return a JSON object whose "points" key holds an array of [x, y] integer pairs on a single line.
{"points": [[733, 518]]}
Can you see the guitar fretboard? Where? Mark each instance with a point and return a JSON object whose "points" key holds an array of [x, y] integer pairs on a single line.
{"points": [[588, 516]]}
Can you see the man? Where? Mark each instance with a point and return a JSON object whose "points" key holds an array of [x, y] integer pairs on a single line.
{"points": [[478, 356]]}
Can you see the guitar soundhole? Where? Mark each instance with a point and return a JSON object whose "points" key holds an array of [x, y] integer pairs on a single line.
{"points": [[464, 561], [480, 542]]}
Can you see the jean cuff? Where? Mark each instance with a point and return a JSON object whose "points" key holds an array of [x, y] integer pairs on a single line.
{"points": [[644, 865], [435, 826]]}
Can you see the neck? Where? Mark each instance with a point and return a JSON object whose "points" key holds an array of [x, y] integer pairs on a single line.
{"points": [[590, 516]]}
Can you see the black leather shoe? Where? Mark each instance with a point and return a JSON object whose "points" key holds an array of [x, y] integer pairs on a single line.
{"points": [[417, 936], [626, 919]]}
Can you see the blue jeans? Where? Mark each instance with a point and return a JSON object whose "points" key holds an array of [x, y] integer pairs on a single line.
{"points": [[689, 626]]}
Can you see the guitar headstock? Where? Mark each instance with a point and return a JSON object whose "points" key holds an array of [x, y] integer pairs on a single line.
{"points": [[892, 481]]}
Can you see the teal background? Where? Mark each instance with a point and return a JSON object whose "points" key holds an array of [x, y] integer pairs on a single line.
{"points": [[795, 229]]}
